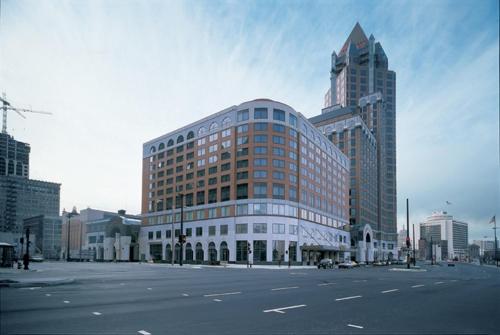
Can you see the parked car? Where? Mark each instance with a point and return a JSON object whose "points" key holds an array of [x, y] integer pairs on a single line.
{"points": [[348, 265], [450, 263], [325, 263], [36, 258]]}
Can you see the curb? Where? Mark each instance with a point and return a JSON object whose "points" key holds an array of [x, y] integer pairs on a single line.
{"points": [[13, 283]]}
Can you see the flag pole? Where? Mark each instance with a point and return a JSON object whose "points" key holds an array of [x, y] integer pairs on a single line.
{"points": [[495, 230]]}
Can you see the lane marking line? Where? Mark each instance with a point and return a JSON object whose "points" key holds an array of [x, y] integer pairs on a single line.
{"points": [[143, 332], [48, 294], [389, 291], [281, 309], [149, 288], [96, 313], [284, 288], [347, 298], [66, 301], [453, 280], [420, 285], [355, 326], [298, 273], [185, 295], [438, 282], [359, 281], [217, 300], [219, 294], [325, 284], [30, 288]]}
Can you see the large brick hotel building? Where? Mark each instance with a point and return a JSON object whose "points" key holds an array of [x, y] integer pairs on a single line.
{"points": [[257, 175]]}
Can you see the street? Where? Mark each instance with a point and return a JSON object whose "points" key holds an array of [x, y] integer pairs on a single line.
{"points": [[108, 298]]}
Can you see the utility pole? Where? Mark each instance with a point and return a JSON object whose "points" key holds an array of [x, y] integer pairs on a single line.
{"points": [[26, 259], [432, 257], [407, 235], [181, 235], [414, 257]]}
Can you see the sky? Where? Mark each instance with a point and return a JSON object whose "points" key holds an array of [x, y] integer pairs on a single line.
{"points": [[115, 74]]}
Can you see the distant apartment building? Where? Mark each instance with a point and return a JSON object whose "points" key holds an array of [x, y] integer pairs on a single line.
{"points": [[14, 157], [451, 235], [485, 246], [259, 183], [46, 235], [359, 117]]}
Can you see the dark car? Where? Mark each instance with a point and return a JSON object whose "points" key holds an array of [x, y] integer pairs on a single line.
{"points": [[325, 263]]}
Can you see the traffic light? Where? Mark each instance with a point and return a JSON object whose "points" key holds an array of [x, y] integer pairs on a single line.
{"points": [[408, 242], [182, 239], [249, 249]]}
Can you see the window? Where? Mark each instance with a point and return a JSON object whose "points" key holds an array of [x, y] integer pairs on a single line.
{"points": [[242, 163], [212, 170], [168, 234], [225, 155], [278, 128], [293, 179], [242, 115], [190, 155], [292, 193], [260, 174], [259, 190], [292, 132], [242, 129], [211, 230], [278, 191], [179, 149], [241, 228], [293, 229], [212, 196], [260, 209], [224, 211], [201, 152], [242, 140], [278, 139], [292, 119], [279, 163], [200, 173], [278, 115], [150, 235], [213, 137], [225, 193], [278, 175], [260, 138], [260, 150], [226, 133], [225, 166], [260, 162], [189, 200], [226, 144], [212, 160], [278, 228], [225, 178], [242, 175], [200, 214], [200, 198], [241, 251], [292, 155], [242, 152], [212, 148], [259, 251], [242, 209], [212, 181], [201, 162], [260, 126], [199, 231], [278, 151], [223, 229], [242, 191], [260, 228], [202, 141], [189, 232], [260, 113]]}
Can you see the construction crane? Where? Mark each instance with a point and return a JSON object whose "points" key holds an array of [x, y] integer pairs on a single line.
{"points": [[7, 107]]}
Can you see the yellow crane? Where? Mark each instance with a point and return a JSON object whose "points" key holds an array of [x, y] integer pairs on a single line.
{"points": [[8, 107]]}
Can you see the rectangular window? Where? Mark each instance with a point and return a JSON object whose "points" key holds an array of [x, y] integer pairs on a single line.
{"points": [[202, 141], [225, 211], [226, 132], [278, 151], [212, 170], [201, 162], [200, 198], [260, 174], [200, 183], [242, 191], [260, 251], [260, 209], [211, 230], [293, 229], [292, 193], [225, 178], [225, 155], [278, 115], [226, 144], [242, 140], [213, 137], [242, 129], [279, 163], [278, 191], [260, 138], [225, 167], [242, 163], [279, 128], [200, 173], [260, 126], [212, 159], [241, 251], [212, 196], [242, 152], [168, 234], [189, 232], [200, 214], [292, 119], [260, 113], [199, 231], [260, 162], [212, 181], [242, 175], [212, 148], [278, 228], [242, 209], [260, 150], [212, 213], [225, 193], [260, 228], [241, 228], [278, 175], [242, 115], [278, 140], [150, 235], [259, 190], [223, 229]]}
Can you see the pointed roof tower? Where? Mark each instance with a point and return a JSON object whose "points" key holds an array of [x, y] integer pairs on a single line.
{"points": [[357, 37]]}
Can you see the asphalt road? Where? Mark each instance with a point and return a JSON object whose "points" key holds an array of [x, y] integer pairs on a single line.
{"points": [[155, 299]]}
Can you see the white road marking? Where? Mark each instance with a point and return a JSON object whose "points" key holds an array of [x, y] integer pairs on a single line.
{"points": [[185, 295], [298, 273], [420, 285], [219, 294], [48, 294], [217, 300], [347, 298], [149, 288], [96, 313], [281, 309], [438, 282], [284, 288], [66, 301], [389, 291], [325, 284], [143, 332], [355, 326], [359, 281], [196, 267], [31, 288], [453, 280]]}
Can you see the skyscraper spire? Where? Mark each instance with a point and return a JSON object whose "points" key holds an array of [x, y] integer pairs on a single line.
{"points": [[357, 37]]}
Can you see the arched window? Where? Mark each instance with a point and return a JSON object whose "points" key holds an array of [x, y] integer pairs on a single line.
{"points": [[213, 126], [190, 135], [224, 252], [368, 238], [212, 252], [226, 122], [161, 146], [202, 131], [152, 150], [189, 252], [180, 139], [199, 253], [170, 143], [168, 253], [177, 252]]}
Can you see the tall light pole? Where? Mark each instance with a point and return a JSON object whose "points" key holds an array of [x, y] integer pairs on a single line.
{"points": [[407, 235], [70, 215], [181, 235], [414, 257], [496, 246]]}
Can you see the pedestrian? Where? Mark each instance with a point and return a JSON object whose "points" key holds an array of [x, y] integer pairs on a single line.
{"points": [[26, 261]]}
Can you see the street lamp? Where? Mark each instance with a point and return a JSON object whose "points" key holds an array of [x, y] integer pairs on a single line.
{"points": [[181, 235], [70, 215]]}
